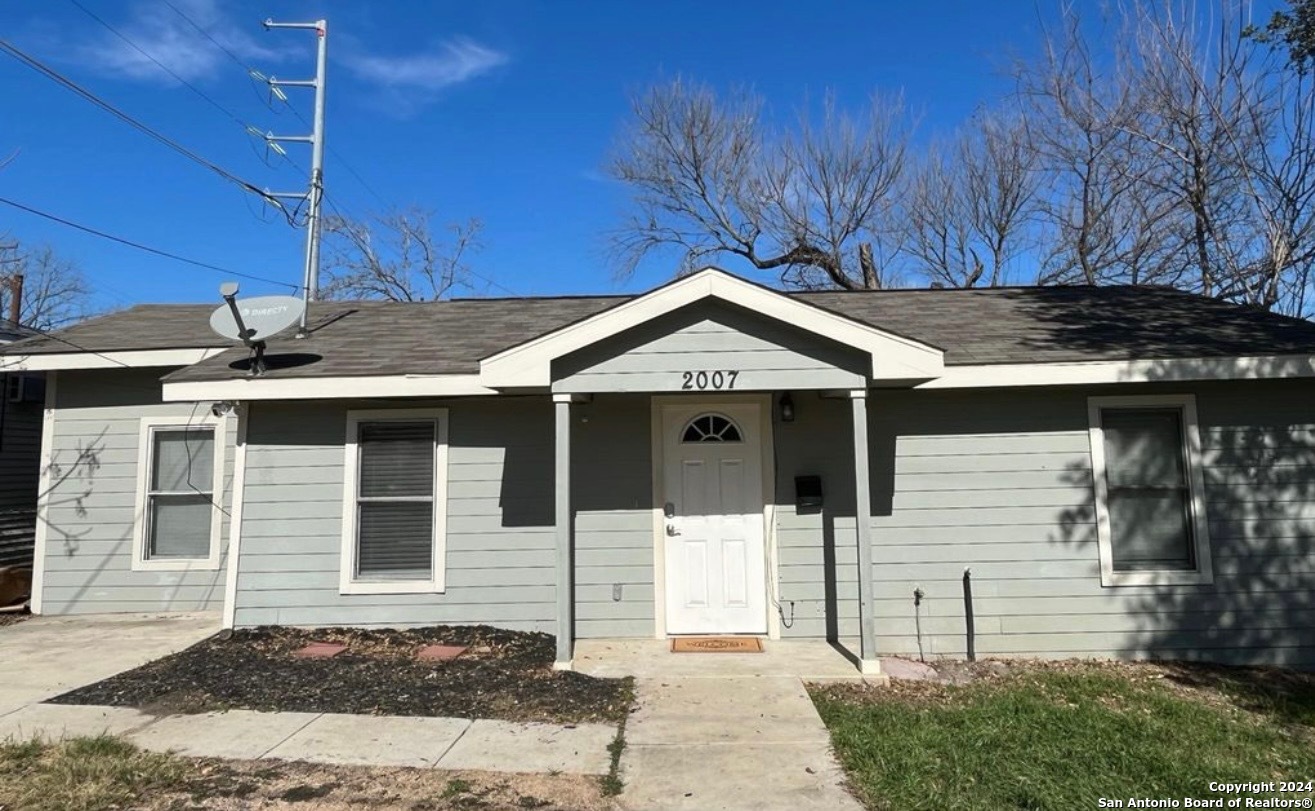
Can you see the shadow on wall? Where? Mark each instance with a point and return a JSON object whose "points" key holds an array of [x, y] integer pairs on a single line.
{"points": [[1258, 465], [1258, 460]]}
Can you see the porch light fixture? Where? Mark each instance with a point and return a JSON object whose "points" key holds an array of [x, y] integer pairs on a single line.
{"points": [[787, 407]]}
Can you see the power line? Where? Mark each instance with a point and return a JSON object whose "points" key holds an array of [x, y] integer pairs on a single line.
{"points": [[208, 36], [148, 249], [116, 32], [351, 170], [36, 65]]}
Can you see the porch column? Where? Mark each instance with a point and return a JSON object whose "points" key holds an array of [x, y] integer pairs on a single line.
{"points": [[858, 399], [565, 564]]}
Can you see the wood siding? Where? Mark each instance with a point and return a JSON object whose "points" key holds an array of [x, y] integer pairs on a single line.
{"points": [[500, 555], [710, 338], [1000, 483], [93, 500]]}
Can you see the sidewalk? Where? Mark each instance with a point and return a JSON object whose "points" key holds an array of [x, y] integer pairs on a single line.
{"points": [[724, 744], [357, 740]]}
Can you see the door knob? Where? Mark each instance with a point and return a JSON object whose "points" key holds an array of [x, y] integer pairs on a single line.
{"points": [[672, 531]]}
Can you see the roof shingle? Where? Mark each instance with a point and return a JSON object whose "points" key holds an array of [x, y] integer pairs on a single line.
{"points": [[987, 326]]}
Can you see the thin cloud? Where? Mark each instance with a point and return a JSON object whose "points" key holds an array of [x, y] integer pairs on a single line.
{"points": [[418, 78], [169, 38]]}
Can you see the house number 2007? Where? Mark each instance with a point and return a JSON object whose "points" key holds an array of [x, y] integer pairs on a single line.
{"points": [[703, 380]]}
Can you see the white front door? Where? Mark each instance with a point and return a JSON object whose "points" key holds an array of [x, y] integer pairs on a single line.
{"points": [[713, 519]]}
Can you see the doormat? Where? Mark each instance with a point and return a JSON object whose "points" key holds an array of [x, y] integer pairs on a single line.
{"points": [[716, 644]]}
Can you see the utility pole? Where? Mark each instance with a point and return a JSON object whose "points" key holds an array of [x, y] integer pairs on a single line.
{"points": [[314, 196]]}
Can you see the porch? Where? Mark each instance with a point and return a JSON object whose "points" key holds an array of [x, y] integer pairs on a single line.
{"points": [[806, 659]]}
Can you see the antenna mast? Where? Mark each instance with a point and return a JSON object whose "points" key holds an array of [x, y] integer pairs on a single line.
{"points": [[315, 194]]}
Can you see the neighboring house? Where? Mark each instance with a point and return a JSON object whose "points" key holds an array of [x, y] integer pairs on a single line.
{"points": [[1125, 471], [20, 455]]}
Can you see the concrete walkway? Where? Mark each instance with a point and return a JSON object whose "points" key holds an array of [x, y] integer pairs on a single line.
{"points": [[42, 657], [355, 740], [726, 732]]}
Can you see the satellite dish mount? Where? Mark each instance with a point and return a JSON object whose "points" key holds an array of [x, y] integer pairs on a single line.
{"points": [[253, 320], [229, 291]]}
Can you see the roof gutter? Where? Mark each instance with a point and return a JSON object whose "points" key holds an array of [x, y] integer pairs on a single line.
{"points": [[119, 359], [326, 388]]}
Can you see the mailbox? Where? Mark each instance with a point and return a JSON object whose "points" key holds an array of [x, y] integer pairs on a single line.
{"points": [[808, 492]]}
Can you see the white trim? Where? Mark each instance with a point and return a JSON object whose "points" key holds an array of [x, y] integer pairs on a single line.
{"points": [[893, 357], [140, 561], [1204, 572], [1259, 367], [325, 388], [43, 493], [766, 452], [134, 358], [351, 464], [235, 517]]}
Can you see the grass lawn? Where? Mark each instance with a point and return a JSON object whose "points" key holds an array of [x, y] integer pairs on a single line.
{"points": [[1064, 735], [104, 773]]}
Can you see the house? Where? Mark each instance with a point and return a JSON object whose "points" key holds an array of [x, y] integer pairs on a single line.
{"points": [[1121, 471], [20, 457]]}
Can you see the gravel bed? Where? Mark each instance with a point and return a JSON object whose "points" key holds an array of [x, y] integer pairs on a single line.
{"points": [[504, 675]]}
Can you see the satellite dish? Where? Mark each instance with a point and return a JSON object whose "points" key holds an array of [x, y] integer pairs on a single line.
{"points": [[255, 319]]}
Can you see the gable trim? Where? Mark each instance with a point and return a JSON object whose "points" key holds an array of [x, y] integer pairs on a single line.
{"points": [[893, 357]]}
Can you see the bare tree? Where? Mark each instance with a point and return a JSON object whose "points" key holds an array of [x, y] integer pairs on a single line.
{"points": [[970, 205], [55, 292], [711, 178], [396, 256], [1105, 221]]}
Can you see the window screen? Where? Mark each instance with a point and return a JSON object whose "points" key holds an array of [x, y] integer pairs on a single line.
{"points": [[395, 500], [1148, 495], [180, 499]]}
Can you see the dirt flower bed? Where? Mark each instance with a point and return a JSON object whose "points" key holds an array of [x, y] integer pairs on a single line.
{"points": [[503, 674]]}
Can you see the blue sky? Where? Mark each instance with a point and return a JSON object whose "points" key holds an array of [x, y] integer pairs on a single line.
{"points": [[503, 111]]}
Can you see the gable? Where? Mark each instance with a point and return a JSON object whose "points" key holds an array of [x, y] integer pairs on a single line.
{"points": [[889, 357], [710, 346]]}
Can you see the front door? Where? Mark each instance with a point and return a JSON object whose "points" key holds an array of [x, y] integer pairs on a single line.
{"points": [[713, 519]]}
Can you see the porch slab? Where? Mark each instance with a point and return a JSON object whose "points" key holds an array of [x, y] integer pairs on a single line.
{"points": [[807, 659], [367, 740], [503, 746], [54, 722], [237, 734], [720, 711]]}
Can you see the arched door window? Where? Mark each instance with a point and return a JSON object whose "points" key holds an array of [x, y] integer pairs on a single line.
{"points": [[711, 428]]}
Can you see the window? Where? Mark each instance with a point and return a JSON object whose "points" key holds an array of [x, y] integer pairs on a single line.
{"points": [[180, 466], [711, 428], [1150, 515], [394, 501]]}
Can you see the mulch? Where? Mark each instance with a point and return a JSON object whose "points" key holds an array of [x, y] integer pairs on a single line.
{"points": [[503, 675], [12, 618]]}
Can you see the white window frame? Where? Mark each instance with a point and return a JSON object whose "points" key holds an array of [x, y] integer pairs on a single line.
{"points": [[347, 583], [1191, 444], [141, 562]]}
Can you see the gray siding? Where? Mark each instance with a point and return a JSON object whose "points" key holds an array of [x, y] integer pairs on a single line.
{"points": [[613, 491], [93, 500], [709, 337], [500, 552], [1000, 482]]}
